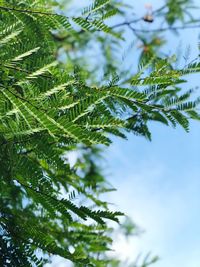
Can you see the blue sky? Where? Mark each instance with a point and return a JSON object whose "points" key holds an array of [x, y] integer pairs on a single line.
{"points": [[158, 182], [158, 187]]}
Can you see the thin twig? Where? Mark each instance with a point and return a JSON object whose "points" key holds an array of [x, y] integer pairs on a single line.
{"points": [[163, 29], [23, 99], [23, 70], [28, 11]]}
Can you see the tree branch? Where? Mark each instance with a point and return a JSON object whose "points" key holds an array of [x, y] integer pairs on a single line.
{"points": [[163, 29], [28, 11], [23, 70]]}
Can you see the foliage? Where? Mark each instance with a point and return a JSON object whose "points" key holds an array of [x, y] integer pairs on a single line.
{"points": [[50, 109]]}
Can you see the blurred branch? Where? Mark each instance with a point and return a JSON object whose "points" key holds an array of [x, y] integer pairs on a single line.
{"points": [[126, 23], [183, 27], [187, 25]]}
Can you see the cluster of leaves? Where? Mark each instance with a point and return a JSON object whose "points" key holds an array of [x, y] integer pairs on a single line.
{"points": [[48, 111]]}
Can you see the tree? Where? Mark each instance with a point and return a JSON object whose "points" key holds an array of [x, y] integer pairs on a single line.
{"points": [[50, 108]]}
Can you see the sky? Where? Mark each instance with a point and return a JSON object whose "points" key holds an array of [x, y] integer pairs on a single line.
{"points": [[158, 187], [158, 182]]}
